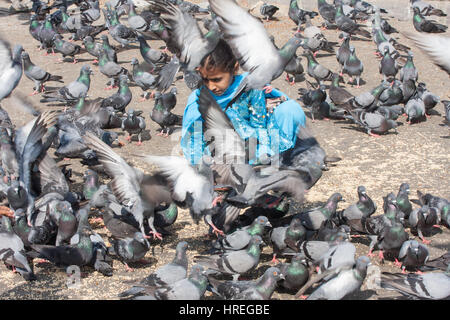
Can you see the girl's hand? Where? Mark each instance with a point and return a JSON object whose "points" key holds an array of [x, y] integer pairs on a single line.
{"points": [[272, 103]]}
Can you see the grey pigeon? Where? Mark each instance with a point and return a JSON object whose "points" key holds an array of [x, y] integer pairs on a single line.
{"points": [[92, 47], [446, 104], [110, 69], [298, 15], [150, 55], [316, 70], [409, 71], [415, 110], [347, 25], [412, 255], [138, 192], [78, 254], [12, 251], [296, 273], [403, 199], [10, 68], [285, 239], [353, 66], [313, 219], [92, 13], [62, 215], [364, 207], [47, 34], [118, 31], [343, 53], [165, 275], [434, 46], [313, 99], [437, 202], [260, 289], [110, 51], [343, 283], [134, 124], [426, 9], [339, 96], [441, 263], [327, 12], [390, 112], [130, 249], [422, 220], [161, 112], [142, 77], [310, 30], [240, 238], [36, 74], [429, 99], [119, 221], [433, 286], [423, 25], [374, 124], [234, 262], [268, 10], [191, 288], [135, 21], [369, 100], [72, 91], [340, 255], [66, 48], [388, 65], [122, 98]]}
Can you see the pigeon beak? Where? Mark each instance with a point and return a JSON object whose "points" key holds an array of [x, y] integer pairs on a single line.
{"points": [[282, 276], [268, 224]]}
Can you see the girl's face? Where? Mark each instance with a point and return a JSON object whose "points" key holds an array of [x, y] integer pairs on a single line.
{"points": [[216, 80]]}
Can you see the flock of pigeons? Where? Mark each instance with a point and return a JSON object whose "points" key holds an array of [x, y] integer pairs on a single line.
{"points": [[42, 218]]}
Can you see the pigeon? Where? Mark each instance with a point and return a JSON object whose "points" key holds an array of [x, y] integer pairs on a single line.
{"points": [[343, 53], [327, 12], [347, 25], [119, 221], [296, 273], [47, 34], [142, 78], [339, 96], [191, 288], [122, 98], [10, 68], [353, 66], [432, 286], [78, 254], [268, 10], [165, 216], [189, 7], [409, 71], [433, 201], [66, 48], [340, 255], [260, 289], [165, 275], [190, 43], [422, 220], [311, 30], [161, 112], [435, 47], [429, 99], [426, 9], [284, 239], [415, 110], [36, 74], [150, 55], [130, 249], [234, 262], [131, 187], [365, 206], [119, 32], [110, 69], [343, 282], [110, 51], [294, 68], [439, 263], [134, 124], [312, 219], [74, 90], [423, 25], [240, 238], [298, 15], [369, 100], [316, 70], [135, 21], [391, 112], [388, 65], [62, 215], [92, 13], [403, 200], [313, 99], [12, 251], [412, 255], [92, 47], [374, 124]]}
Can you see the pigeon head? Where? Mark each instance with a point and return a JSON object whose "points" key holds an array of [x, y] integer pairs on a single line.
{"points": [[362, 190], [275, 273], [174, 90], [17, 52], [86, 70], [139, 237], [134, 61], [404, 187], [158, 95], [156, 25], [109, 137], [392, 125], [88, 39], [336, 197], [123, 78], [256, 239], [182, 246], [25, 55], [362, 263], [299, 257], [263, 221]]}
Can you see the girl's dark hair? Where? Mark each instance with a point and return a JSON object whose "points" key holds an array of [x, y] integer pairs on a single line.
{"points": [[221, 57]]}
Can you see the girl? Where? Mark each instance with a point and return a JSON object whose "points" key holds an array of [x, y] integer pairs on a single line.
{"points": [[266, 115]]}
